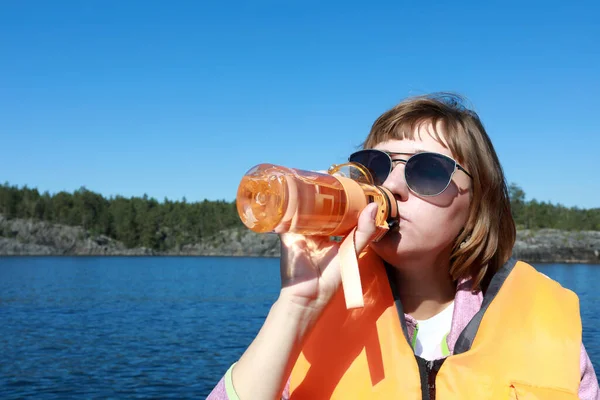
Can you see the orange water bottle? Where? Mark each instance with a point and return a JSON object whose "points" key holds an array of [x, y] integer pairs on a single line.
{"points": [[273, 198]]}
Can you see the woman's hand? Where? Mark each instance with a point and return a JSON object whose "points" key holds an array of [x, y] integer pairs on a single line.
{"points": [[310, 266], [310, 275]]}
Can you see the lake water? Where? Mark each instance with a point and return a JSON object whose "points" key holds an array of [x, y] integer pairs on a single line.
{"points": [[155, 327]]}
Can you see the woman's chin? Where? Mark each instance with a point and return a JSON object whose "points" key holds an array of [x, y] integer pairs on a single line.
{"points": [[389, 245], [391, 239]]}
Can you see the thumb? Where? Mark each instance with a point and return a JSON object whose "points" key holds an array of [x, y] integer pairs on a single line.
{"points": [[366, 228]]}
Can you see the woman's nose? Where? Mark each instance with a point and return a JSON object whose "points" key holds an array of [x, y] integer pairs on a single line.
{"points": [[396, 183]]}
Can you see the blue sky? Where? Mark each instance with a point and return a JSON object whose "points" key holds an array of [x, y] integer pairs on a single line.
{"points": [[180, 98]]}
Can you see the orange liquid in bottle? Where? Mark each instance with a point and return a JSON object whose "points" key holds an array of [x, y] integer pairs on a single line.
{"points": [[273, 198]]}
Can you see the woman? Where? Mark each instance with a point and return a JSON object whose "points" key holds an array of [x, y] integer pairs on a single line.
{"points": [[447, 312]]}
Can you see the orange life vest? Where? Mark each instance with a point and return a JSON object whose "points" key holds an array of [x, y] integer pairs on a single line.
{"points": [[524, 343]]}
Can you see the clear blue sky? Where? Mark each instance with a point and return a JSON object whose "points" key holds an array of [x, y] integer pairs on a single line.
{"points": [[180, 98]]}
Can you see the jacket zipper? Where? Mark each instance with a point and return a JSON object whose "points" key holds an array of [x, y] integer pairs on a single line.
{"points": [[431, 375]]}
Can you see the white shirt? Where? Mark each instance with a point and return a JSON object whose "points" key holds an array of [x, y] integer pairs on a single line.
{"points": [[430, 335]]}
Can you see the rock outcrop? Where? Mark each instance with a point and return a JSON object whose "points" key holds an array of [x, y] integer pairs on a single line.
{"points": [[27, 237], [554, 246]]}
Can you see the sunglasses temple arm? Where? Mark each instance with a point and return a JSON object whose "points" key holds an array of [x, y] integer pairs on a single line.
{"points": [[464, 170]]}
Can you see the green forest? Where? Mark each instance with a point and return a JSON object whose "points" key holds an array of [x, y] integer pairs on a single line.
{"points": [[135, 221], [144, 221]]}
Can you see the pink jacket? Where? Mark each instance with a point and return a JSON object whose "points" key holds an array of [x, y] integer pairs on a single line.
{"points": [[466, 305]]}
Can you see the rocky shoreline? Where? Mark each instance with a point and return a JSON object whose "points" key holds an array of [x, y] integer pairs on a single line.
{"points": [[34, 238]]}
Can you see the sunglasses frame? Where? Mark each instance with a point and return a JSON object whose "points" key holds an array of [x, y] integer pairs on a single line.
{"points": [[390, 154]]}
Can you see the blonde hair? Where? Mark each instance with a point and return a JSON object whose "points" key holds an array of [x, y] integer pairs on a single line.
{"points": [[488, 237]]}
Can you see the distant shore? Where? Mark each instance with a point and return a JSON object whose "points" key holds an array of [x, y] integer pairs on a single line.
{"points": [[20, 237]]}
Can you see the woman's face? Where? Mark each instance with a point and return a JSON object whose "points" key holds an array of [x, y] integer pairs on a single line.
{"points": [[428, 225]]}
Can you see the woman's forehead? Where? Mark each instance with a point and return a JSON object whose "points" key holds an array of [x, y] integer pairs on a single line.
{"points": [[424, 139]]}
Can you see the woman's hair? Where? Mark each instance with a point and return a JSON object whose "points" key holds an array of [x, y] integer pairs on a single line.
{"points": [[487, 239]]}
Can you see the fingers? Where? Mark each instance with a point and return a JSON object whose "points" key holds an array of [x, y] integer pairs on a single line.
{"points": [[366, 227], [289, 239], [365, 231], [291, 246]]}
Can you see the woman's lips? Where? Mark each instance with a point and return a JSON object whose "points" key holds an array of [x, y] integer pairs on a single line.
{"points": [[395, 224]]}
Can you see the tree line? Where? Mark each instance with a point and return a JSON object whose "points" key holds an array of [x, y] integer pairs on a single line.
{"points": [[135, 221], [537, 215], [144, 221]]}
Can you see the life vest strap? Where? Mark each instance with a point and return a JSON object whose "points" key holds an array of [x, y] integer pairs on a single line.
{"points": [[351, 283]]}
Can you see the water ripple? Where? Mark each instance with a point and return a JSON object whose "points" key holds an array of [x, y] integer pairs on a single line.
{"points": [[144, 328]]}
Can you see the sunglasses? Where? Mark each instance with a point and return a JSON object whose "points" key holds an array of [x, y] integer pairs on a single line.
{"points": [[426, 174]]}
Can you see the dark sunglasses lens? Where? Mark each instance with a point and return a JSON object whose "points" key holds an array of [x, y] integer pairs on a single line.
{"points": [[428, 174], [377, 162]]}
